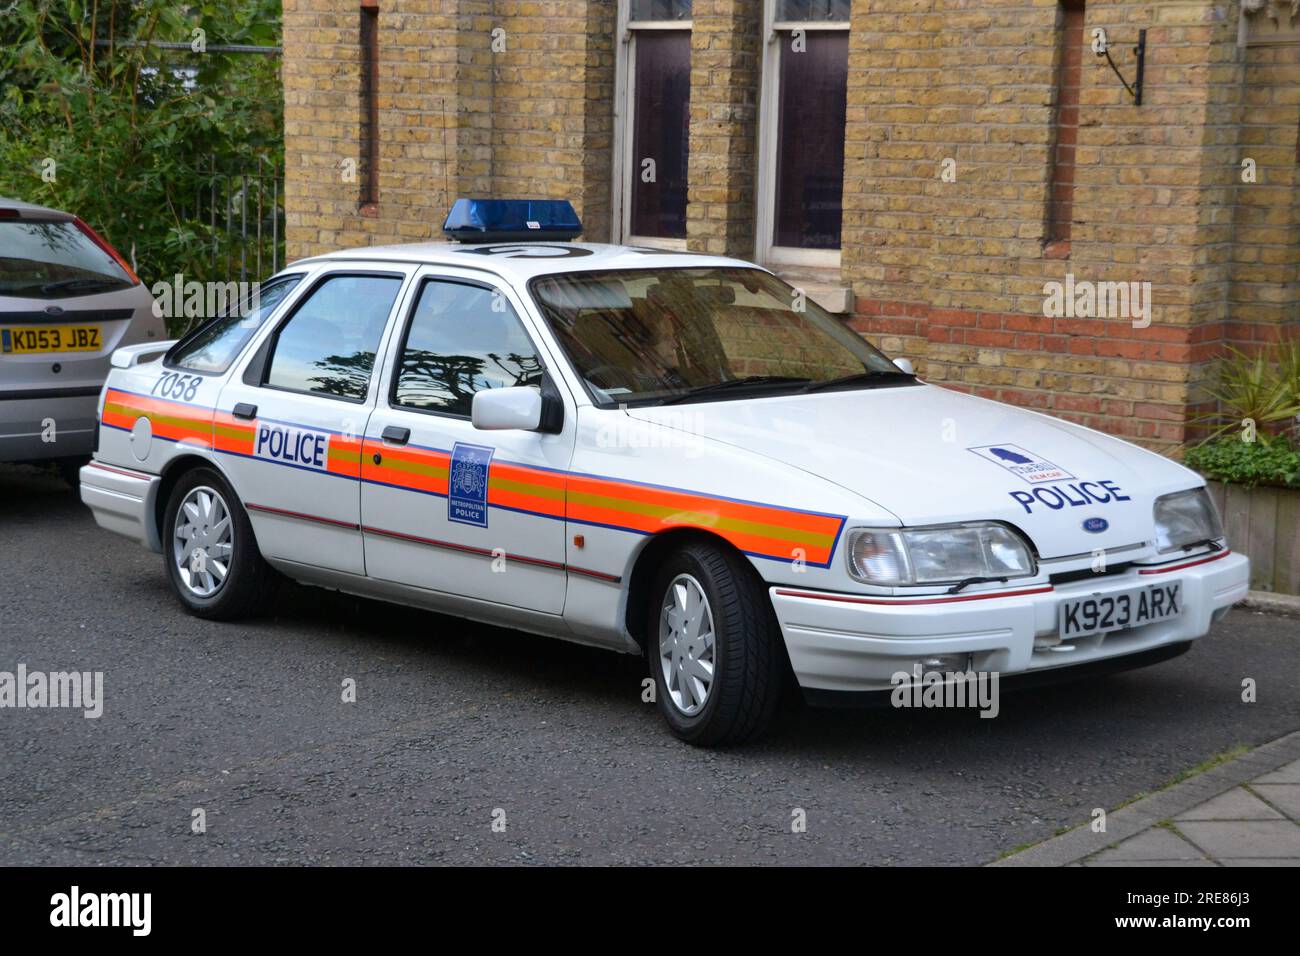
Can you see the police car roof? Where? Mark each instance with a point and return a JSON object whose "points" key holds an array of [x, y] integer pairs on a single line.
{"points": [[524, 260]]}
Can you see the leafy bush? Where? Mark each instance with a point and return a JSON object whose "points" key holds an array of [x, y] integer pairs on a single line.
{"points": [[1248, 463], [130, 127], [1262, 389]]}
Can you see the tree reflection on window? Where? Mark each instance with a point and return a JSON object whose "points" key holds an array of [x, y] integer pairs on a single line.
{"points": [[463, 339], [328, 346], [348, 375]]}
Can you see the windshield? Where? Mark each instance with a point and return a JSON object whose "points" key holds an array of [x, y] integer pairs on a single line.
{"points": [[638, 336], [53, 260]]}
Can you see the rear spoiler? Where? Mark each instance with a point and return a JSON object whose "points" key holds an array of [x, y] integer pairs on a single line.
{"points": [[131, 355], [33, 213]]}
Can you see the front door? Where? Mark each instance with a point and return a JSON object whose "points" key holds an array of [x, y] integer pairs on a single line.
{"points": [[448, 507]]}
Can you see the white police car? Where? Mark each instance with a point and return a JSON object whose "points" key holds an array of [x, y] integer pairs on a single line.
{"points": [[658, 453]]}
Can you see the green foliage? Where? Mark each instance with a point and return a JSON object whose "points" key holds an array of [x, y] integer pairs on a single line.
{"points": [[1261, 389], [1248, 463], [130, 135]]}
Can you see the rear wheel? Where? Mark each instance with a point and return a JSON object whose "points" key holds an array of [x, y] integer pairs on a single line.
{"points": [[713, 647], [212, 558]]}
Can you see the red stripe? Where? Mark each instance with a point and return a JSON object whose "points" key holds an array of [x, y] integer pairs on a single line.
{"points": [[433, 542], [304, 517], [123, 471], [599, 575], [848, 599], [1189, 564]]}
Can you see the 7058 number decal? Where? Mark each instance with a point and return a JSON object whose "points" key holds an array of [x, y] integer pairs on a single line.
{"points": [[176, 385]]}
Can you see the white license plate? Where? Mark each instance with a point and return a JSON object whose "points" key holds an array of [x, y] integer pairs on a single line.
{"points": [[1113, 612]]}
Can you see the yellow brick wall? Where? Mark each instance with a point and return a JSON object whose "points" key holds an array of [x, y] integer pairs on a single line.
{"points": [[953, 272], [725, 64], [457, 117], [949, 273], [1265, 260]]}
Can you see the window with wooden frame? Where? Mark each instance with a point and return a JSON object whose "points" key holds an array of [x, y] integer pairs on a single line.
{"points": [[652, 122], [801, 139]]}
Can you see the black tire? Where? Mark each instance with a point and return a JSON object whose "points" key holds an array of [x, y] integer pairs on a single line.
{"points": [[748, 656], [249, 584], [70, 471]]}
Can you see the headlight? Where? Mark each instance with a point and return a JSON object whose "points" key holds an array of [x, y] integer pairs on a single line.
{"points": [[1185, 518], [938, 555]]}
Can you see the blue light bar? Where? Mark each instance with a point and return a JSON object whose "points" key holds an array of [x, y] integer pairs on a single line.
{"points": [[512, 220]]}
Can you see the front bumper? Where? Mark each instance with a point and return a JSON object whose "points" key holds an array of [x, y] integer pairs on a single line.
{"points": [[123, 500], [856, 643]]}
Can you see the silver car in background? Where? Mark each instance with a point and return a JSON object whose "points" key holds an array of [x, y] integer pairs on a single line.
{"points": [[67, 300]]}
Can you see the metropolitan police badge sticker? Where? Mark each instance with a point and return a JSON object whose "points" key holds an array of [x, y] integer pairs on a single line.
{"points": [[467, 484]]}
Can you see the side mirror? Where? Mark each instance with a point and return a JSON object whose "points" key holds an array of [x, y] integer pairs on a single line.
{"points": [[905, 365], [500, 408]]}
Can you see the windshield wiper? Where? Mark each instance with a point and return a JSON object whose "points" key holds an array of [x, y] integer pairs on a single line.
{"points": [[79, 284], [962, 585], [748, 381], [859, 378]]}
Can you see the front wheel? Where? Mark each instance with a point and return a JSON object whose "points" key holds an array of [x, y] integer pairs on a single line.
{"points": [[713, 647], [212, 558]]}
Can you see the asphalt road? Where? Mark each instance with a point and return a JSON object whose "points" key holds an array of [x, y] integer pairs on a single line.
{"points": [[453, 721]]}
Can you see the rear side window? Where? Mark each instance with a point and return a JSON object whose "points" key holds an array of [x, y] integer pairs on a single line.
{"points": [[54, 260], [462, 339], [213, 347], [328, 345]]}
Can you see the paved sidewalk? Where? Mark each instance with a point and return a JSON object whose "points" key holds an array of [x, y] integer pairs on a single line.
{"points": [[1244, 812]]}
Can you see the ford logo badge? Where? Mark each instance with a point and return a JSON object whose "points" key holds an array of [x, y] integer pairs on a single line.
{"points": [[1095, 525]]}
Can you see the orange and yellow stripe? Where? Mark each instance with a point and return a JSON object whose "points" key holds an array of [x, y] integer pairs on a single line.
{"points": [[517, 487], [758, 529], [762, 530], [174, 421]]}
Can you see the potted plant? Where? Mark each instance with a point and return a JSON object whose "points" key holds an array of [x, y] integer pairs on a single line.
{"points": [[1251, 459]]}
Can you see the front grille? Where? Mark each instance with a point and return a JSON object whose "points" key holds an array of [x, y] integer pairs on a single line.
{"points": [[1088, 574]]}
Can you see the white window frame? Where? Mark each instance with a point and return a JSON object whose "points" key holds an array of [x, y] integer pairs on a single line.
{"points": [[625, 164], [769, 122]]}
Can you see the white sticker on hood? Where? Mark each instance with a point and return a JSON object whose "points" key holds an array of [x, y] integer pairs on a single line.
{"points": [[1021, 463]]}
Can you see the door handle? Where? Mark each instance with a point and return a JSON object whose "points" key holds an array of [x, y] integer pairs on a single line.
{"points": [[244, 410], [396, 435]]}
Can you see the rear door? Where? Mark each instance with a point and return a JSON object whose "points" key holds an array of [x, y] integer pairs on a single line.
{"points": [[446, 506], [288, 428]]}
